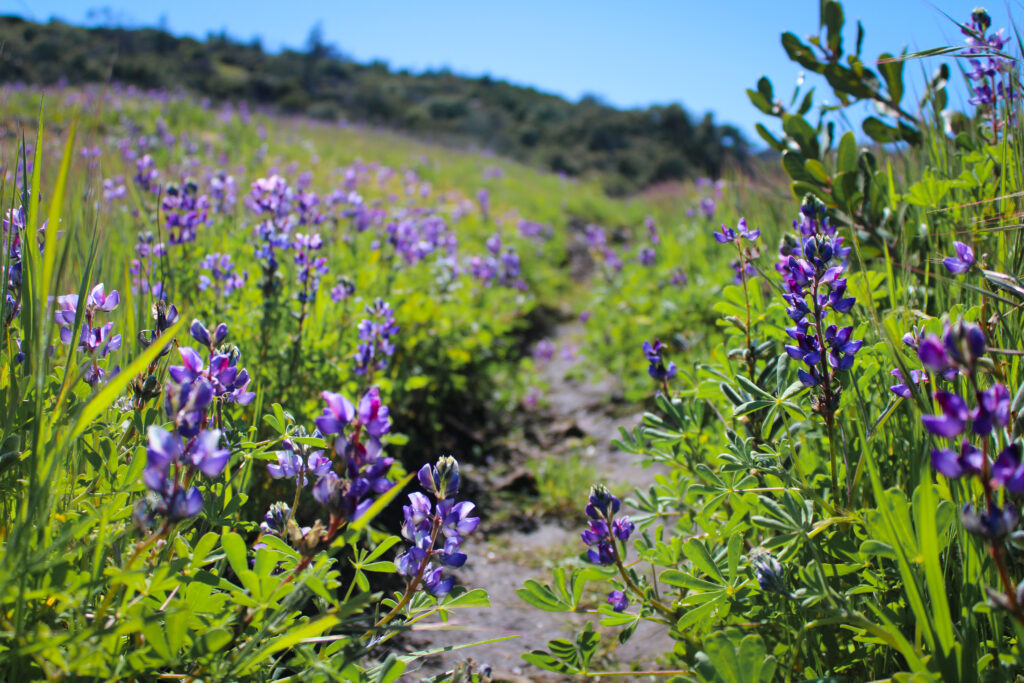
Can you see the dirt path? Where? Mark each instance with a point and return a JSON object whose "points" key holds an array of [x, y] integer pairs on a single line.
{"points": [[580, 418]]}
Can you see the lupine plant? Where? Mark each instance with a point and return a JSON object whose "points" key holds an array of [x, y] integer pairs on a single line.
{"points": [[836, 433], [806, 492]]}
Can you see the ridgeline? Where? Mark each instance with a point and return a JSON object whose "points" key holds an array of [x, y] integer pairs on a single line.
{"points": [[628, 149]]}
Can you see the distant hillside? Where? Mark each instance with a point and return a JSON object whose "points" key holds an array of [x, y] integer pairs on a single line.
{"points": [[629, 149]]}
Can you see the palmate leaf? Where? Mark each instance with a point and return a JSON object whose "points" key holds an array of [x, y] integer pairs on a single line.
{"points": [[722, 661]]}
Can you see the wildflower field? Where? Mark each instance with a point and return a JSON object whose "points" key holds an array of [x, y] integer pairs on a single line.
{"points": [[274, 390]]}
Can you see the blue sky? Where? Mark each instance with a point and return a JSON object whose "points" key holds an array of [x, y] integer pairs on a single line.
{"points": [[701, 54]]}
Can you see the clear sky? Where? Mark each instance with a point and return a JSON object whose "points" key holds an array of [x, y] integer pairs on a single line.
{"points": [[701, 54]]}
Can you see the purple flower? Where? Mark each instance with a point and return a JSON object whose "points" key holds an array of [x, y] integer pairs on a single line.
{"points": [[338, 413], [424, 523], [769, 573], [101, 301], [812, 263], [952, 465], [962, 261], [544, 350], [953, 419], [373, 414], [903, 389], [622, 528], [1007, 470], [602, 530], [994, 524], [618, 601], [932, 353], [740, 233], [657, 369], [375, 333], [276, 519], [993, 410]]}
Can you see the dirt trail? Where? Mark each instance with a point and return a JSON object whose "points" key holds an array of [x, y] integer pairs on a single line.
{"points": [[501, 562]]}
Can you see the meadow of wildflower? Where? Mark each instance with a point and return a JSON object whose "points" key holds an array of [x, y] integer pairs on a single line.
{"points": [[263, 378]]}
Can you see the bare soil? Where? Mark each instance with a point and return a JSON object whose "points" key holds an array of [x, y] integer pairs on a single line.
{"points": [[500, 561]]}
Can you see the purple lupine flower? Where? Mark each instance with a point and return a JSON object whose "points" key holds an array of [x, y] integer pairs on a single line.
{"points": [[680, 278], [652, 230], [903, 388], [657, 368], [602, 528], [647, 256], [1007, 470], [223, 191], [338, 413], [184, 210], [994, 524], [740, 233], [618, 601], [375, 333], [544, 350], [364, 469], [186, 402], [707, 207], [373, 414], [953, 465], [991, 77], [483, 197], [344, 290], [310, 267], [297, 461], [953, 419], [769, 573], [167, 456], [424, 524], [96, 341], [992, 410], [201, 334], [146, 173], [962, 261], [812, 263], [276, 519], [223, 277], [142, 269]]}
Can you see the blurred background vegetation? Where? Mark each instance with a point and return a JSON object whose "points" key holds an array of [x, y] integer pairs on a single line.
{"points": [[628, 150]]}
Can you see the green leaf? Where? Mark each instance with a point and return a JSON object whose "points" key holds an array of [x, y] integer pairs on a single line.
{"points": [[878, 131], [416, 382], [770, 139], [892, 72], [546, 661], [541, 597], [816, 170], [235, 551], [804, 134], [389, 670], [846, 157], [800, 53], [474, 598], [847, 81], [698, 614], [758, 100], [832, 17], [214, 640], [203, 548], [701, 558]]}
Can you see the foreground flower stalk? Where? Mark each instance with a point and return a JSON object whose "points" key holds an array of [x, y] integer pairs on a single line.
{"points": [[604, 535], [812, 263], [425, 525], [961, 351]]}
